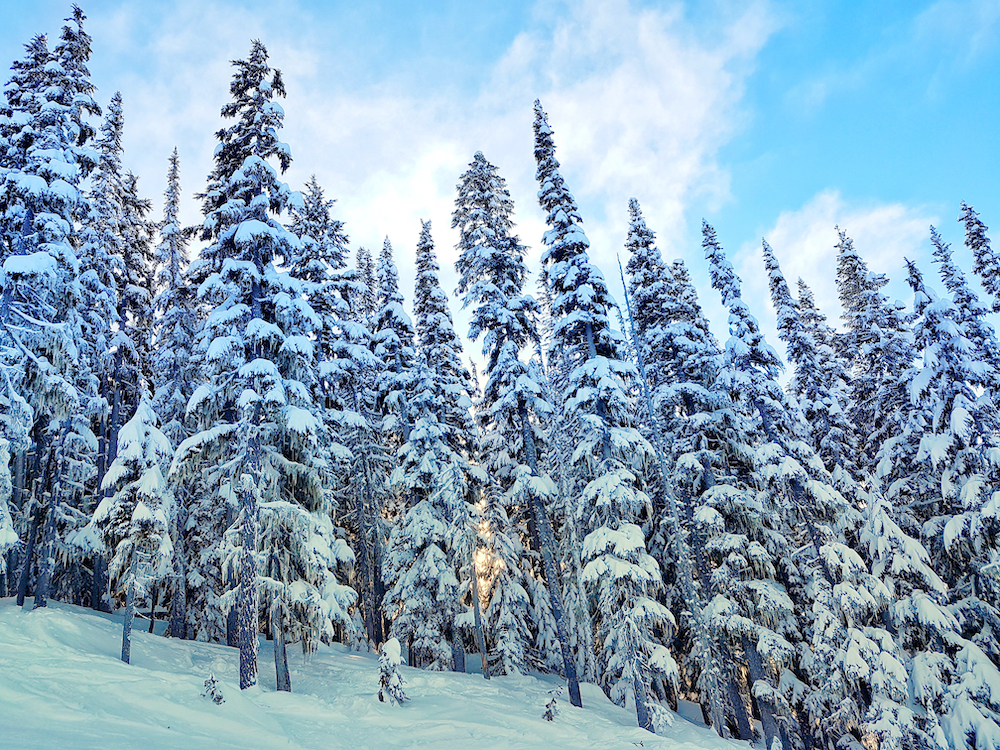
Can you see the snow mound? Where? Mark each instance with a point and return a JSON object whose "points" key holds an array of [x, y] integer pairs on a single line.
{"points": [[62, 685]]}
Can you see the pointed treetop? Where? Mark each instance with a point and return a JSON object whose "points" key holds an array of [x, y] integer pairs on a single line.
{"points": [[987, 265]]}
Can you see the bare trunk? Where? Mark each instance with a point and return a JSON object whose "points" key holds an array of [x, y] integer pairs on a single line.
{"points": [[477, 613], [282, 677], [755, 666], [129, 616], [547, 545]]}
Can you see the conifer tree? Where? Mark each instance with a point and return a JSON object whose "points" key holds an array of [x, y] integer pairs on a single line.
{"points": [[133, 519], [971, 312], [174, 372], [492, 277], [881, 342], [780, 498], [612, 456], [324, 242], [42, 205], [446, 396], [814, 383], [393, 338], [365, 270], [986, 264], [441, 349], [257, 428]]}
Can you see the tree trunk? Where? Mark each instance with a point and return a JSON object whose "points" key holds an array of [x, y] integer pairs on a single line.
{"points": [[457, 650], [152, 608], [282, 677], [47, 561], [41, 489], [768, 720], [29, 553], [178, 596], [642, 716], [232, 616], [547, 545], [247, 595], [129, 616], [477, 613]]}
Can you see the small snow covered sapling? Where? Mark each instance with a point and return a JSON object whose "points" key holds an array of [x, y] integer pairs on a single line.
{"points": [[390, 681], [551, 710], [212, 690]]}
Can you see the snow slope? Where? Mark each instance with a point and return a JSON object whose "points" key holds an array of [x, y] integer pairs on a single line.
{"points": [[63, 686]]}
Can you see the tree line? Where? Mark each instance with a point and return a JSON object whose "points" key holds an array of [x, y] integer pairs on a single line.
{"points": [[256, 438]]}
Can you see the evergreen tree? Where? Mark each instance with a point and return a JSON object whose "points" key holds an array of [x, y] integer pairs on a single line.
{"points": [[779, 498], [971, 313], [815, 383], [612, 455], [390, 681], [441, 349], [492, 276], [882, 346], [365, 269], [393, 345], [986, 264], [258, 429], [174, 372], [133, 521], [324, 242], [42, 204], [446, 397]]}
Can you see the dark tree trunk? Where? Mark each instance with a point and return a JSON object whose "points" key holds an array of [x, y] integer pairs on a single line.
{"points": [[282, 676], [547, 545], [152, 608], [178, 596], [768, 719], [129, 616]]}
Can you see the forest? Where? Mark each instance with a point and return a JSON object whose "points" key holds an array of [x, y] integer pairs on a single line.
{"points": [[237, 428]]}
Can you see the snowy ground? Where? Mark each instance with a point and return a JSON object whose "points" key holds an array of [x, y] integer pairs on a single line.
{"points": [[62, 686]]}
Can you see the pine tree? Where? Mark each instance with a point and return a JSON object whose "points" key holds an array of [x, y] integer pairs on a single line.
{"points": [[972, 314], [393, 345], [365, 270], [258, 429], [133, 521], [882, 347], [324, 242], [390, 681], [174, 372], [446, 397], [492, 277], [986, 264], [814, 385], [612, 456], [423, 585], [42, 204], [780, 498], [441, 349]]}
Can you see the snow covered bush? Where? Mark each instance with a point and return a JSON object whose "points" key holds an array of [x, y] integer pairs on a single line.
{"points": [[390, 681]]}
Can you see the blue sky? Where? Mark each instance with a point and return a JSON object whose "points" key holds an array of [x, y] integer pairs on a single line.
{"points": [[776, 119]]}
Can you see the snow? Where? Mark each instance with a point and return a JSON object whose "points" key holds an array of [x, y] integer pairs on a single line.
{"points": [[62, 684], [34, 264]]}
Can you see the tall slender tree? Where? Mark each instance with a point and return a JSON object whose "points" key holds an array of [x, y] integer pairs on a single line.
{"points": [[612, 457], [257, 429]]}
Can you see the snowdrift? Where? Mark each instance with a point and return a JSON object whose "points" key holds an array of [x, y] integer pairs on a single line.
{"points": [[62, 686]]}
